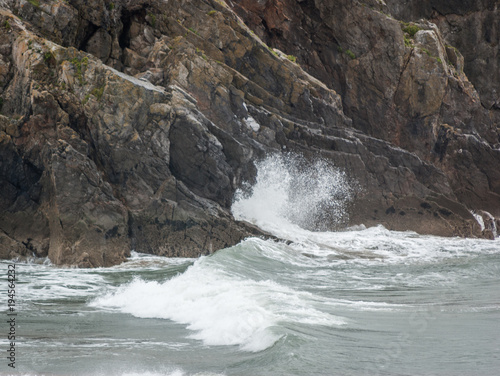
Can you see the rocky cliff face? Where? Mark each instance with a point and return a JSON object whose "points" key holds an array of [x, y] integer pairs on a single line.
{"points": [[130, 124], [402, 70]]}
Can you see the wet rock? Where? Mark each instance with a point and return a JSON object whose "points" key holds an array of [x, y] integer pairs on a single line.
{"points": [[488, 234], [400, 80], [131, 127]]}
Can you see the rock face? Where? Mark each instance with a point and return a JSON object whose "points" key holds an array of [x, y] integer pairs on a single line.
{"points": [[406, 83], [130, 124]]}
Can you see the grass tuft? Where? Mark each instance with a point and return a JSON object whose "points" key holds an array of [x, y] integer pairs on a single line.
{"points": [[410, 29], [350, 54], [152, 17], [79, 64], [98, 92]]}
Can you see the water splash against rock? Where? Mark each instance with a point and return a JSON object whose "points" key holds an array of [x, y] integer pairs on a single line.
{"points": [[291, 190]]}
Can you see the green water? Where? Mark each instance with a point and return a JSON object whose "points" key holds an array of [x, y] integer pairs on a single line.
{"points": [[367, 302]]}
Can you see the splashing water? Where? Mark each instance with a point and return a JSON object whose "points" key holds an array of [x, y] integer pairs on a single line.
{"points": [[291, 191], [365, 301]]}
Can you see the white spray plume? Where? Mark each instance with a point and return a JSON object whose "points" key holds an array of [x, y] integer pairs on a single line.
{"points": [[291, 190]]}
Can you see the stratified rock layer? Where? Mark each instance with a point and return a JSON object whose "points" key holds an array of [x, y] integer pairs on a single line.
{"points": [[130, 124], [405, 82]]}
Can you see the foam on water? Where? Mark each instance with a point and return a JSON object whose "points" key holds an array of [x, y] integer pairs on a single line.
{"points": [[166, 372], [377, 244], [176, 372], [221, 311], [140, 261], [294, 199], [313, 302], [245, 294], [40, 282], [218, 305]]}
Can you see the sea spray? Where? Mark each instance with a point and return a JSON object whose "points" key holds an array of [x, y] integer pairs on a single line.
{"points": [[312, 305], [291, 190]]}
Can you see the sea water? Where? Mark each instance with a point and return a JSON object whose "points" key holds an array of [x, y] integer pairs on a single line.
{"points": [[362, 301]]}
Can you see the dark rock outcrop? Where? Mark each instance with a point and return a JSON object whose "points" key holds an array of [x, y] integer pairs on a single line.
{"points": [[405, 82], [130, 124]]}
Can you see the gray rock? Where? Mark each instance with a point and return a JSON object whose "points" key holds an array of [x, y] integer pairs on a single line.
{"points": [[97, 161]]}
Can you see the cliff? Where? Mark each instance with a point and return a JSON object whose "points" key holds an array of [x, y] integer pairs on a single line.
{"points": [[130, 124]]}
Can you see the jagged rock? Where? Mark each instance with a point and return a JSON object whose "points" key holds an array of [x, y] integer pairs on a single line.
{"points": [[395, 79], [99, 45], [25, 228], [472, 28], [140, 140]]}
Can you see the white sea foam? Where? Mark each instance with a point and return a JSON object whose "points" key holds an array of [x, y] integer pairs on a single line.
{"points": [[221, 311], [142, 260], [379, 245], [44, 283], [292, 197], [171, 372], [176, 372], [218, 305]]}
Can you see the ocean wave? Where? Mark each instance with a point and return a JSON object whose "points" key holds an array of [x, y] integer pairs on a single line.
{"points": [[221, 305]]}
